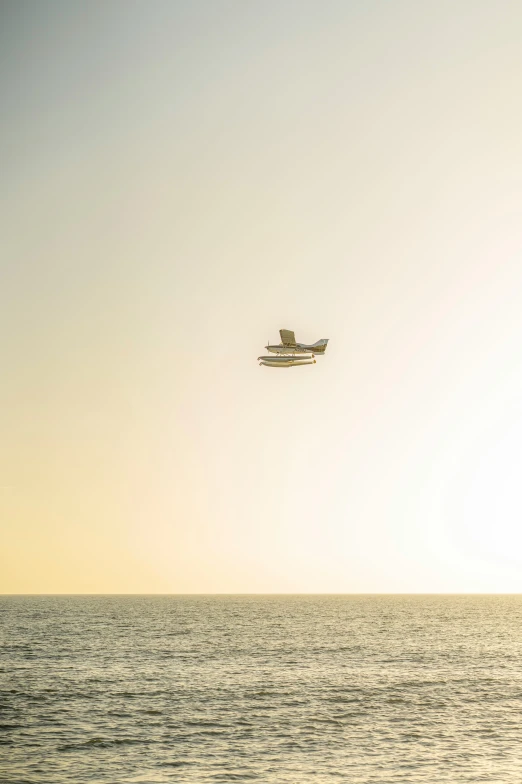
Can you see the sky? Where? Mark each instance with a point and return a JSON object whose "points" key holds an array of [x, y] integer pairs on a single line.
{"points": [[180, 180]]}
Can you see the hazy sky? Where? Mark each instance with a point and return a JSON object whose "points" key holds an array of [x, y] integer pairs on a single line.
{"points": [[181, 179]]}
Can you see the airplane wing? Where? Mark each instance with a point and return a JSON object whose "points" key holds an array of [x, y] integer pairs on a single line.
{"points": [[287, 337]]}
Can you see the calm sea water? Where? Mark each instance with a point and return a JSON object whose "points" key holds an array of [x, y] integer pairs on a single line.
{"points": [[373, 689]]}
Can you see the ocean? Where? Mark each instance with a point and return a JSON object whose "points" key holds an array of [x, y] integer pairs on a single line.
{"points": [[294, 689]]}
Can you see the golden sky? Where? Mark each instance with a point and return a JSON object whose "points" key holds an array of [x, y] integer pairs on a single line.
{"points": [[180, 180]]}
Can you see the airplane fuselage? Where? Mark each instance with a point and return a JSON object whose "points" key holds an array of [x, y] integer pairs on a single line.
{"points": [[300, 348]]}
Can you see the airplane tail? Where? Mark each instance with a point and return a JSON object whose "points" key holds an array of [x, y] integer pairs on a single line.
{"points": [[319, 347]]}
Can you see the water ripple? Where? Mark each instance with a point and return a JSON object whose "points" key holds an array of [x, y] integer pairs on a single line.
{"points": [[279, 690]]}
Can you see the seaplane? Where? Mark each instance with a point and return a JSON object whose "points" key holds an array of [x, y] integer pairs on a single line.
{"points": [[289, 353]]}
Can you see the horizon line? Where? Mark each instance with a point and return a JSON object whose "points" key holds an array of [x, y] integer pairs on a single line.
{"points": [[287, 593]]}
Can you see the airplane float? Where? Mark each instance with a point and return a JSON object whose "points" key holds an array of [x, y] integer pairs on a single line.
{"points": [[291, 354]]}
